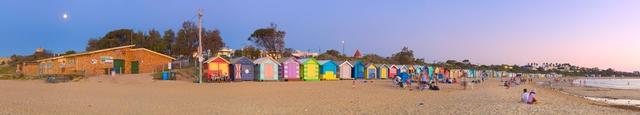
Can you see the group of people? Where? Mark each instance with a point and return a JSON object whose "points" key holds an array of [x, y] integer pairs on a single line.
{"points": [[512, 82], [528, 97], [404, 80]]}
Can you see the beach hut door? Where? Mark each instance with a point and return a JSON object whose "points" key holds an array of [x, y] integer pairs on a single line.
{"points": [[268, 71], [246, 72], [371, 74]]}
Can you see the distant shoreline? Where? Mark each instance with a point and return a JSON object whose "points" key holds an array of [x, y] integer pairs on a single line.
{"points": [[619, 98]]}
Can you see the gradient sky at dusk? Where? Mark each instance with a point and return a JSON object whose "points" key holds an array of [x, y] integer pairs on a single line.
{"points": [[592, 33]]}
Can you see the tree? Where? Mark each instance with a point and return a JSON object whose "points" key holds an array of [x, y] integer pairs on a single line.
{"points": [[249, 52], [420, 61], [373, 58], [325, 56], [288, 52], [405, 56], [155, 42], [41, 55], [112, 39], [270, 38], [69, 52], [186, 43], [212, 41], [335, 53], [168, 39]]}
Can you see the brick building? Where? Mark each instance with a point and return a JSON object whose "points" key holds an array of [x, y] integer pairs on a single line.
{"points": [[121, 60]]}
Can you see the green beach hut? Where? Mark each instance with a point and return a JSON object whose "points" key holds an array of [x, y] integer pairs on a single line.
{"points": [[310, 69]]}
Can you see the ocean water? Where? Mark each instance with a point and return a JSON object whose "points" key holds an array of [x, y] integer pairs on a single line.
{"points": [[610, 83]]}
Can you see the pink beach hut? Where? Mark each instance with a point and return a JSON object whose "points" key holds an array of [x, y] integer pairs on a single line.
{"points": [[289, 69]]}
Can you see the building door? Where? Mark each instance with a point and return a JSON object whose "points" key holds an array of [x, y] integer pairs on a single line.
{"points": [[371, 74], [247, 71], [268, 72], [118, 66], [134, 67]]}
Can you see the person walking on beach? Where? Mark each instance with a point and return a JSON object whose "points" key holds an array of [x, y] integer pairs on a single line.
{"points": [[464, 83], [524, 96]]}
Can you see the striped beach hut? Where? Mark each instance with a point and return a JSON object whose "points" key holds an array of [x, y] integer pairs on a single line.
{"points": [[358, 70], [266, 69], [383, 71], [371, 71], [430, 71], [393, 71], [345, 69], [455, 74], [418, 68], [310, 69], [411, 69], [217, 67], [242, 69], [328, 70], [289, 69], [402, 68], [439, 72]]}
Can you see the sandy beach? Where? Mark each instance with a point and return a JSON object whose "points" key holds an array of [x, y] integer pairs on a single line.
{"points": [[138, 94], [589, 91]]}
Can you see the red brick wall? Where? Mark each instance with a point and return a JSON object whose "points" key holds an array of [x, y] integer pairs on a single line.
{"points": [[82, 64]]}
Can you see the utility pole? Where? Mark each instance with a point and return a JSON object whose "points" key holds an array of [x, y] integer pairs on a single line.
{"points": [[199, 55]]}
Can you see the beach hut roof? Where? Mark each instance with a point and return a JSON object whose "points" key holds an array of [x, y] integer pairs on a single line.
{"points": [[241, 60], [305, 60], [265, 59], [282, 60], [345, 62], [322, 62], [393, 65], [216, 58], [381, 65], [371, 64], [356, 62]]}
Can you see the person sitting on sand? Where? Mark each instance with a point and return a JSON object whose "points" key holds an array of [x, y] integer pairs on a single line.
{"points": [[532, 97], [525, 96], [434, 87], [423, 82]]}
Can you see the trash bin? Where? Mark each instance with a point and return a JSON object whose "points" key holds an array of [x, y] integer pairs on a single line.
{"points": [[165, 75]]}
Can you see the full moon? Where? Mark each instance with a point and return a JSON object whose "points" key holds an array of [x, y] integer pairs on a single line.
{"points": [[65, 16]]}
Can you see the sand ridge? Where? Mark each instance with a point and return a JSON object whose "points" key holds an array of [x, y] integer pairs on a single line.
{"points": [[138, 94]]}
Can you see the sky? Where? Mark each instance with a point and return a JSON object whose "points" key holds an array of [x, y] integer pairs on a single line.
{"points": [[590, 33]]}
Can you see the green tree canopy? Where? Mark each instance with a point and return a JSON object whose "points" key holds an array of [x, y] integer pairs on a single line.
{"points": [[269, 38]]}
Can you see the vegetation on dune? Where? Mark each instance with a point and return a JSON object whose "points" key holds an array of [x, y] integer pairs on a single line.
{"points": [[6, 69], [184, 44], [405, 57]]}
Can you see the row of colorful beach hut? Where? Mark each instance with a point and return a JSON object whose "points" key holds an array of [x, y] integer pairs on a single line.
{"points": [[310, 69]]}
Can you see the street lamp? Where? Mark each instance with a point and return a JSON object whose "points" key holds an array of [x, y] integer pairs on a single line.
{"points": [[343, 53]]}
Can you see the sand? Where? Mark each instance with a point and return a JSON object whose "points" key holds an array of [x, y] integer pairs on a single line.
{"points": [[138, 94], [588, 91]]}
